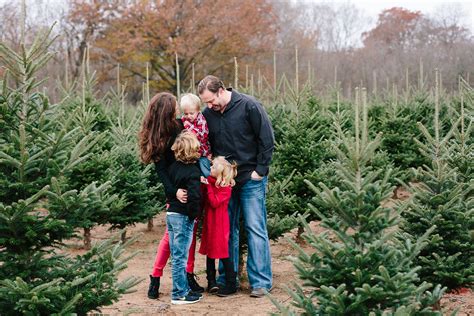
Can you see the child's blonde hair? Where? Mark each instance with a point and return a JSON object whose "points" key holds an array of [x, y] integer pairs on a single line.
{"points": [[190, 100], [186, 147], [225, 170]]}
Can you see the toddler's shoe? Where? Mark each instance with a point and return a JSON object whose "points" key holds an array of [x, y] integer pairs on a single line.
{"points": [[195, 287]]}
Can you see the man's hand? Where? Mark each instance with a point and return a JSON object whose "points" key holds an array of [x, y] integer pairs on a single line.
{"points": [[255, 176], [204, 180], [182, 195]]}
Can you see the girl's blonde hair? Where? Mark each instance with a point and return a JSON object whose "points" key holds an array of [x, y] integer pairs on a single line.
{"points": [[190, 100], [186, 147], [226, 171]]}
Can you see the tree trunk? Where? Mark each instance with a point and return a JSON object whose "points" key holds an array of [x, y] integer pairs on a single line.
{"points": [[299, 237], [87, 238], [241, 264], [150, 224], [123, 237]]}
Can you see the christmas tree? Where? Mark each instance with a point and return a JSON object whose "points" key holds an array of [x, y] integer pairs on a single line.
{"points": [[131, 179], [443, 197], [37, 151], [359, 266]]}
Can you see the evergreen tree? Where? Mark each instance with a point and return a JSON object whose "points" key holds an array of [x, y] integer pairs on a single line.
{"points": [[131, 180], [301, 146], [37, 150], [90, 118], [444, 198], [359, 267], [280, 202]]}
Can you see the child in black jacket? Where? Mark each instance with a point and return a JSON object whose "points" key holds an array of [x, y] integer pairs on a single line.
{"points": [[184, 173]]}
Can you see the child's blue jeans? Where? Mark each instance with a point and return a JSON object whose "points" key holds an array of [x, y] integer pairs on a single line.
{"points": [[180, 230]]}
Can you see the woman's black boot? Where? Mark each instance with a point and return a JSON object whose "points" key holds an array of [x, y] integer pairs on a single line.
{"points": [[154, 288]]}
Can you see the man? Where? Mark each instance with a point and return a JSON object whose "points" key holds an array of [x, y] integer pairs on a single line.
{"points": [[239, 129]]}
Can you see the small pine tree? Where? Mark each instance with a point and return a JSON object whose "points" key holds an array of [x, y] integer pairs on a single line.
{"points": [[296, 155], [280, 201], [89, 117], [131, 180], [444, 198], [37, 150], [359, 267]]}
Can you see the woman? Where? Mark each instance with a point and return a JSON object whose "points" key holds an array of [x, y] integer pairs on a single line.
{"points": [[158, 133]]}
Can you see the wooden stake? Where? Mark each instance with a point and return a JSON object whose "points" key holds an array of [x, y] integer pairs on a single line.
{"points": [[178, 88], [236, 74], [365, 119], [356, 119], [274, 73], [296, 72], [193, 78]]}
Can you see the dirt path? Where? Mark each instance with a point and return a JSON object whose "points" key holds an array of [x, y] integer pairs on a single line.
{"points": [[137, 303]]}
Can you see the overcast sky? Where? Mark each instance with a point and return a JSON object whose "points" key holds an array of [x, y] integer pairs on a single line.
{"points": [[370, 7], [429, 7]]}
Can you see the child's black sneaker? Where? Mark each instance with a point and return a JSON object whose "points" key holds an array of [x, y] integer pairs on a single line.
{"points": [[195, 294], [188, 299], [153, 289], [195, 287], [213, 287]]}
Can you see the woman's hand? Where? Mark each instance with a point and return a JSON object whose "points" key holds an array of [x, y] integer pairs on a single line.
{"points": [[204, 180], [182, 195]]}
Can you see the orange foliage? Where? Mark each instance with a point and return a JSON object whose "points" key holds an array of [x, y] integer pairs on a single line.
{"points": [[208, 33], [395, 27]]}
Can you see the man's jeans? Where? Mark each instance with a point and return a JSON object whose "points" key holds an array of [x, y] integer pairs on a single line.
{"points": [[250, 200], [180, 230]]}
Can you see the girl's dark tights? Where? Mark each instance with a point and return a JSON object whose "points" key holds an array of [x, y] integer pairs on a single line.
{"points": [[211, 265]]}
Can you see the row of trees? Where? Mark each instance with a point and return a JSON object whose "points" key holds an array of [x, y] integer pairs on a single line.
{"points": [[373, 258], [65, 168], [334, 44]]}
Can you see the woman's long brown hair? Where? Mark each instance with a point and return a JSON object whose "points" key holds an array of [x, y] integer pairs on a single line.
{"points": [[158, 126]]}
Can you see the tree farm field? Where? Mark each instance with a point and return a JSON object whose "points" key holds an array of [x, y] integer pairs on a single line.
{"points": [[370, 195], [137, 303]]}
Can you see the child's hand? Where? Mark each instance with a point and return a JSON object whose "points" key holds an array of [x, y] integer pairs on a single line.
{"points": [[204, 180]]}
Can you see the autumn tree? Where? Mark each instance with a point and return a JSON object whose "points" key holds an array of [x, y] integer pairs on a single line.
{"points": [[81, 25], [205, 35], [395, 27]]}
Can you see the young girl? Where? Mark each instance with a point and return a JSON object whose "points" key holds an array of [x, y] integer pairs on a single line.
{"points": [[194, 121], [158, 133], [215, 228]]}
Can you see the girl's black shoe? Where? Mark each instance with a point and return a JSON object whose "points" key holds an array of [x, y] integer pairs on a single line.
{"points": [[195, 287], [212, 286], [153, 289]]}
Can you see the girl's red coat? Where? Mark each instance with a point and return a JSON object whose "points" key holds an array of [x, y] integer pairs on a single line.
{"points": [[215, 226]]}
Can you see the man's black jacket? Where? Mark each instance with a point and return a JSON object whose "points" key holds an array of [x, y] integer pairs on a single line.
{"points": [[242, 133]]}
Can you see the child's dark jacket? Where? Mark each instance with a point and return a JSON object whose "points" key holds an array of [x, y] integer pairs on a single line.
{"points": [[186, 176]]}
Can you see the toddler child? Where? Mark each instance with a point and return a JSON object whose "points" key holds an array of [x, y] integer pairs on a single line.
{"points": [[216, 226], [194, 121], [184, 173]]}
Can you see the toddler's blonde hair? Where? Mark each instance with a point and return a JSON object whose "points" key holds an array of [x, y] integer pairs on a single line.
{"points": [[190, 100], [186, 147], [226, 171]]}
